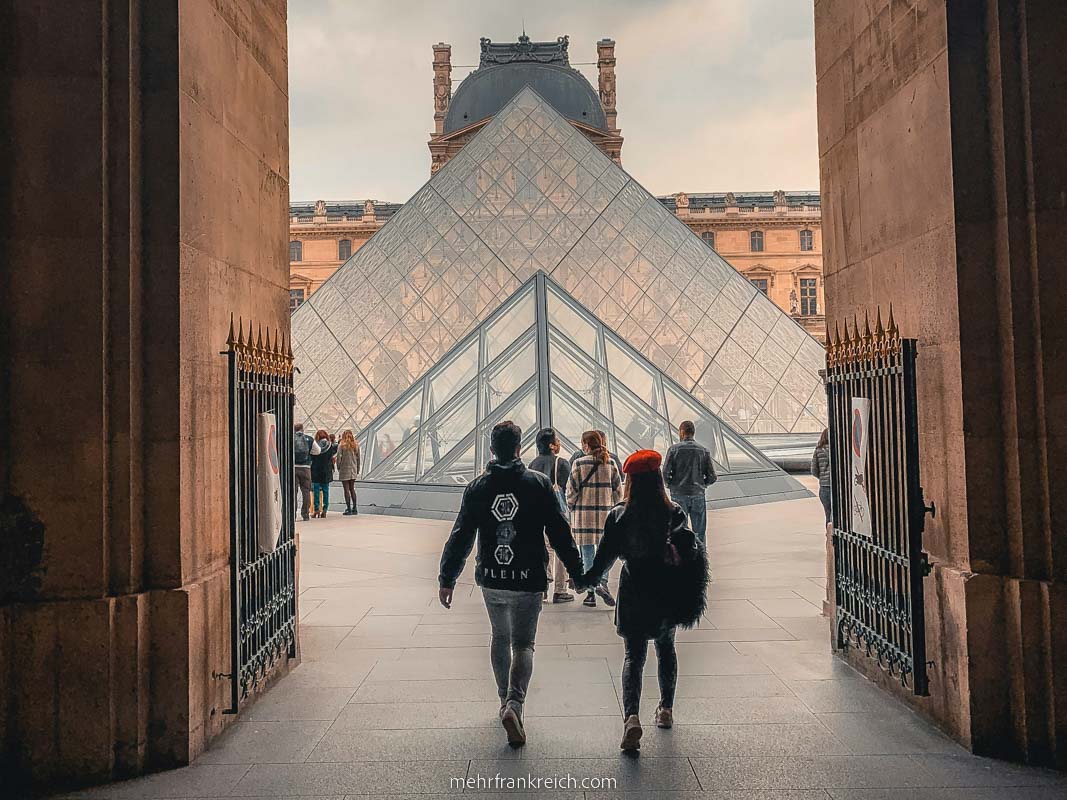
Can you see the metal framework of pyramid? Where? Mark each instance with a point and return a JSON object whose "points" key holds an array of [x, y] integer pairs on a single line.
{"points": [[435, 292]]}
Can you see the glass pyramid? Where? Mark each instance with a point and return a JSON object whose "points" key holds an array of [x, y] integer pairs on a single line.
{"points": [[530, 194], [541, 358]]}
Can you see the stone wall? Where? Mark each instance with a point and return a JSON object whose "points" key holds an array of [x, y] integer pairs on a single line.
{"points": [[938, 134], [158, 134]]}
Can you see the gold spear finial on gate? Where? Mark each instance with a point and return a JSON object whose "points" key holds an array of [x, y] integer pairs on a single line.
{"points": [[240, 332], [229, 337], [892, 328]]}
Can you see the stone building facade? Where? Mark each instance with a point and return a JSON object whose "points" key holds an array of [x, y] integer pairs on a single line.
{"points": [[323, 235], [772, 238]]}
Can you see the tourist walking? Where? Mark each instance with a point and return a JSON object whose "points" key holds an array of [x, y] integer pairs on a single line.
{"points": [[304, 447], [663, 584], [511, 510], [688, 471], [322, 473], [593, 489], [549, 463], [348, 469], [820, 468]]}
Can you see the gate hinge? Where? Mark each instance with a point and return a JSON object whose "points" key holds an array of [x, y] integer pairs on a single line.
{"points": [[925, 567], [927, 509]]}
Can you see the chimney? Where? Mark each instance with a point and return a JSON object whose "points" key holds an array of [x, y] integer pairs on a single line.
{"points": [[605, 65], [442, 85]]}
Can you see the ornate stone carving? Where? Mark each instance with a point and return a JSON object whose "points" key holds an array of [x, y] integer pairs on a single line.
{"points": [[731, 199], [368, 208], [681, 200], [794, 304], [320, 208], [779, 198], [525, 50]]}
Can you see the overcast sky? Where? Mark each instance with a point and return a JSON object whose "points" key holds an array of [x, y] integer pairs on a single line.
{"points": [[713, 95]]}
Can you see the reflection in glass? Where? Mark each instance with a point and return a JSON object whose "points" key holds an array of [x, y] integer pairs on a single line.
{"points": [[442, 433], [708, 429], [584, 377], [634, 375], [397, 429], [453, 375], [518, 318], [572, 325], [640, 424], [509, 374]]}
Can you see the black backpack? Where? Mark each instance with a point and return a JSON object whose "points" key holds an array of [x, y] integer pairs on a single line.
{"points": [[685, 578], [301, 449]]}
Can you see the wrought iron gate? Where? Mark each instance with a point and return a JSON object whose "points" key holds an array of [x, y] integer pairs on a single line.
{"points": [[877, 501], [262, 584]]}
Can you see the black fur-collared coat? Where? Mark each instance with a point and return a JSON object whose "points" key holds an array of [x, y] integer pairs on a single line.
{"points": [[652, 595]]}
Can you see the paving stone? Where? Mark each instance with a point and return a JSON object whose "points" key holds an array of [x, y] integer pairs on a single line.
{"points": [[415, 715], [301, 703], [890, 731], [970, 793], [196, 781], [846, 693], [359, 777], [741, 711], [815, 772], [713, 741], [786, 607], [799, 794], [967, 770], [251, 742], [721, 686]]}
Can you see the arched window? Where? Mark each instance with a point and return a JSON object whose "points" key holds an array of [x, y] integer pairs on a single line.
{"points": [[344, 249], [709, 238], [807, 240], [755, 241], [296, 251]]}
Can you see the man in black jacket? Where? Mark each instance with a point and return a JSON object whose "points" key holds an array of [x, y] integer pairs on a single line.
{"points": [[511, 510], [688, 471]]}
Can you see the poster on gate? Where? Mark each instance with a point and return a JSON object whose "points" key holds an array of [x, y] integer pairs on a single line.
{"points": [[268, 483], [861, 506]]}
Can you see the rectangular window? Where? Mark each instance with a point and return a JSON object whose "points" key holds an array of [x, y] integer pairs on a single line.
{"points": [[809, 300], [807, 240], [296, 251], [755, 239], [344, 249], [709, 238], [760, 283], [296, 299]]}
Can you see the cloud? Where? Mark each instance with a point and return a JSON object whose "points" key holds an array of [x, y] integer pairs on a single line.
{"points": [[713, 95]]}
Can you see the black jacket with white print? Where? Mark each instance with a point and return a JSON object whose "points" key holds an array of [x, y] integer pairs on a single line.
{"points": [[511, 509]]}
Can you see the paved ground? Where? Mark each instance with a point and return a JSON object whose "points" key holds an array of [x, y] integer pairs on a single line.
{"points": [[395, 695]]}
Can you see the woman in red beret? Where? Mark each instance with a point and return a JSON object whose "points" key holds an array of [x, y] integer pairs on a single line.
{"points": [[636, 531]]}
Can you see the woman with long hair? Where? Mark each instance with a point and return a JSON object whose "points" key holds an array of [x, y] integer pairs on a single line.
{"points": [[637, 531], [820, 468], [348, 467], [322, 473], [594, 487]]}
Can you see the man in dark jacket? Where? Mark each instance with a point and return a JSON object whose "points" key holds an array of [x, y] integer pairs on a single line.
{"points": [[304, 447], [688, 471], [548, 462], [511, 509]]}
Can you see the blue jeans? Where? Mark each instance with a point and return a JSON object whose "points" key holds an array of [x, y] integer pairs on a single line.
{"points": [[320, 493], [696, 506], [588, 554], [513, 618]]}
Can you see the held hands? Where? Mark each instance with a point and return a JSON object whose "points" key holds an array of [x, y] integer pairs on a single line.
{"points": [[445, 596]]}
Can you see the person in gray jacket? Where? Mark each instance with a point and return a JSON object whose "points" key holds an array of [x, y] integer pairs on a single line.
{"points": [[688, 471], [820, 468]]}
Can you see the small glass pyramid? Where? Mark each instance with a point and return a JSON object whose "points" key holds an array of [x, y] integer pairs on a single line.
{"points": [[540, 357], [643, 323]]}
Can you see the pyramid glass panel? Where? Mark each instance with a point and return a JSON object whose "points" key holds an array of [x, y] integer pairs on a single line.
{"points": [[538, 275]]}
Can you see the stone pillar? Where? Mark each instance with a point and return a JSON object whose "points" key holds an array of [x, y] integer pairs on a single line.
{"points": [[442, 85], [605, 66], [942, 172], [147, 200]]}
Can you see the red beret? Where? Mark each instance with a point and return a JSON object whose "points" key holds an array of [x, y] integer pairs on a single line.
{"points": [[642, 461]]}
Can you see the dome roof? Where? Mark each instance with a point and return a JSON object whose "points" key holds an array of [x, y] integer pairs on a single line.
{"points": [[488, 89]]}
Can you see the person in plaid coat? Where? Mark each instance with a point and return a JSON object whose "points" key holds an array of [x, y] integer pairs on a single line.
{"points": [[594, 488]]}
